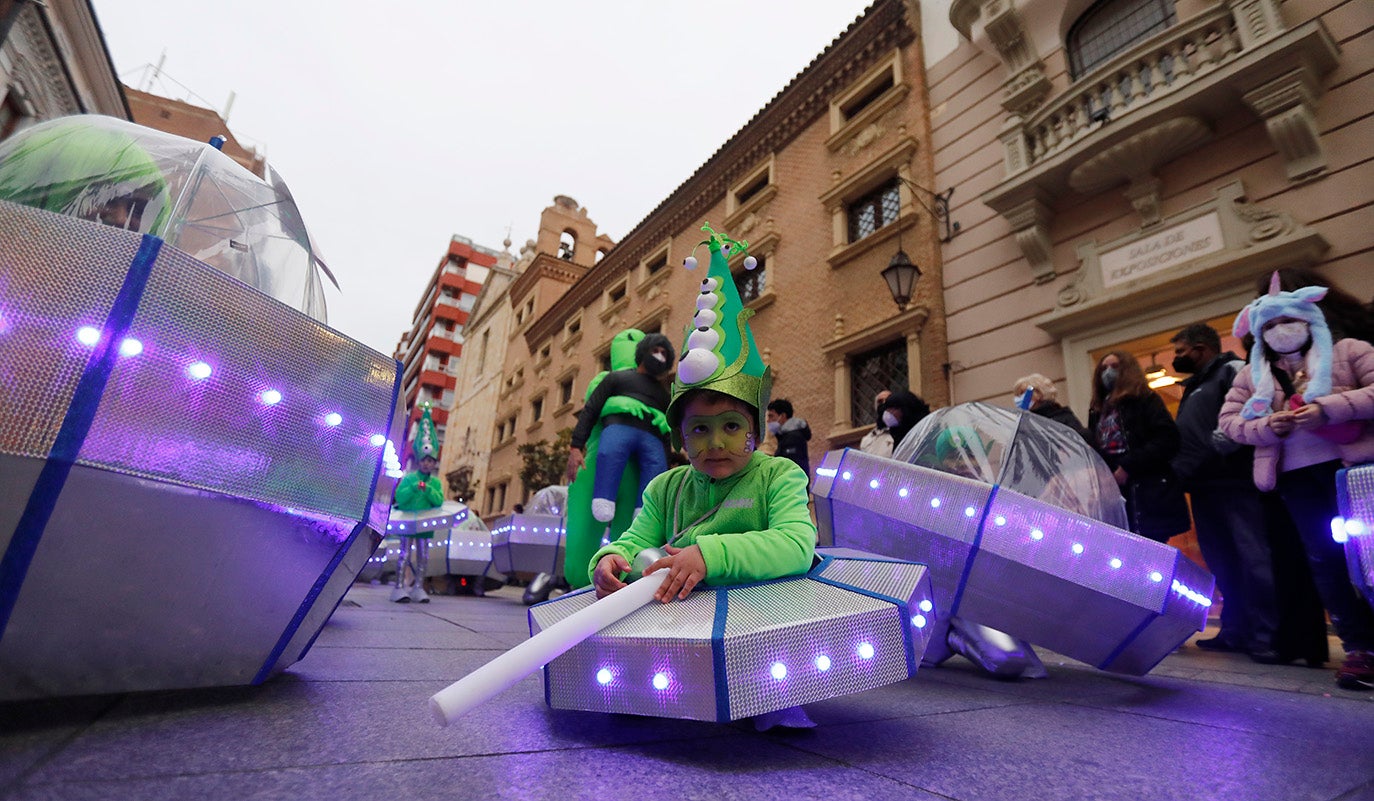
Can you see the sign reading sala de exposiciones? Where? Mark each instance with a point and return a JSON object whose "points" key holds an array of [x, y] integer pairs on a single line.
{"points": [[1167, 248]]}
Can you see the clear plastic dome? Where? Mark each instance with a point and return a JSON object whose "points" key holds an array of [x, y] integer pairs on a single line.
{"points": [[1018, 450], [548, 501], [188, 193]]}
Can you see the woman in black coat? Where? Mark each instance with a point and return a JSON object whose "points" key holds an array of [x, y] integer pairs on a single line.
{"points": [[901, 412], [1132, 430]]}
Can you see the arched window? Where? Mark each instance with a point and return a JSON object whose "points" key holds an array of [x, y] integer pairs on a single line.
{"points": [[567, 245], [1110, 26]]}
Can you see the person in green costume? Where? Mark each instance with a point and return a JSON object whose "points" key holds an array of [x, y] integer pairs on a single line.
{"points": [[605, 490], [733, 514], [83, 168], [417, 491]]}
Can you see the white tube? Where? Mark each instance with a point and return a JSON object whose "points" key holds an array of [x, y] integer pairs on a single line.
{"points": [[499, 674]]}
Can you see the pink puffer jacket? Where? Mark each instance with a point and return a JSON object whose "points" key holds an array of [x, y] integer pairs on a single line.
{"points": [[1351, 398]]}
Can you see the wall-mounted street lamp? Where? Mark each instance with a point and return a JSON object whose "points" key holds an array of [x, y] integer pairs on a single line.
{"points": [[901, 274]]}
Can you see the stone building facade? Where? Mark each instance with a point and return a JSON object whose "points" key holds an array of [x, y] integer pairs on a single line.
{"points": [[827, 182], [54, 62], [1127, 167]]}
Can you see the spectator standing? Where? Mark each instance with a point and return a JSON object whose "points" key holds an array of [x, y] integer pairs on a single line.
{"points": [[792, 434], [1045, 402], [1227, 509], [1305, 403], [879, 440], [1137, 438], [901, 412]]}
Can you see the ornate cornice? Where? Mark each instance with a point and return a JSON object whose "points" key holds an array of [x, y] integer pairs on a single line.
{"points": [[883, 28]]}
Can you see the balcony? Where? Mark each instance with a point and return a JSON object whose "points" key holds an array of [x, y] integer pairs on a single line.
{"points": [[1156, 101]]}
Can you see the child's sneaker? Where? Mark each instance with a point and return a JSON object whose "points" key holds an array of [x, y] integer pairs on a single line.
{"points": [[1357, 673]]}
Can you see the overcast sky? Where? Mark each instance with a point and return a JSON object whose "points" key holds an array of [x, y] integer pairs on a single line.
{"points": [[399, 125]]}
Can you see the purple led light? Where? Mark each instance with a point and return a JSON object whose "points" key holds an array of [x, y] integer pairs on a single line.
{"points": [[333, 419], [846, 475], [778, 671], [934, 503], [925, 605], [1115, 563], [1338, 529], [603, 676], [873, 484], [969, 511], [865, 650], [903, 492], [1077, 548], [1156, 576], [199, 370], [88, 335], [999, 520], [271, 397], [1354, 527], [1037, 534], [130, 347], [377, 440], [660, 681], [822, 662], [919, 621]]}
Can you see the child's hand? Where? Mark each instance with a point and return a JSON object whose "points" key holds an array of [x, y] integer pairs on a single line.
{"points": [[606, 577], [1281, 423], [686, 568], [1309, 416]]}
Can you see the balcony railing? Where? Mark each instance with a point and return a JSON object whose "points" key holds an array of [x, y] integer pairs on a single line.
{"points": [[1158, 67]]}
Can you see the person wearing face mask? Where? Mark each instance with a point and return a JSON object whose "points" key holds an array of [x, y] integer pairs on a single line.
{"points": [[901, 412], [791, 433], [878, 441], [631, 405], [1132, 430], [1304, 402], [1044, 401], [1228, 512]]}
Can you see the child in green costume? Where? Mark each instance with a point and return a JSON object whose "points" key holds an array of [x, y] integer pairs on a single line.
{"points": [[733, 514], [417, 491]]}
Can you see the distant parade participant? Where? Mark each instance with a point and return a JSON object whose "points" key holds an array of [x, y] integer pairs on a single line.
{"points": [[418, 491], [622, 439]]}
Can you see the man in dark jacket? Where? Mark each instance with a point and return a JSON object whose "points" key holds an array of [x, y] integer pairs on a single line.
{"points": [[792, 434], [1227, 511]]}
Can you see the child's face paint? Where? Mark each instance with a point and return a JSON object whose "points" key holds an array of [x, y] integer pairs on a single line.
{"points": [[719, 439]]}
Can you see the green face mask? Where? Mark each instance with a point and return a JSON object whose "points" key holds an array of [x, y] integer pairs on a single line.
{"points": [[727, 430]]}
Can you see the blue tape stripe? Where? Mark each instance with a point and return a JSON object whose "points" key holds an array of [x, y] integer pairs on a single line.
{"points": [[76, 426], [1130, 638], [718, 657], [902, 608], [339, 554], [972, 552]]}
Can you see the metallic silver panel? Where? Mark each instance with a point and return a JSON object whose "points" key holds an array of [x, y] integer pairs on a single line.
{"points": [[784, 642], [1357, 507], [1039, 573], [528, 543], [139, 585]]}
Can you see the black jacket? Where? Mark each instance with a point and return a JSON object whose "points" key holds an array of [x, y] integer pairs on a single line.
{"points": [[1198, 463], [792, 438], [1063, 414], [630, 383], [1151, 436]]}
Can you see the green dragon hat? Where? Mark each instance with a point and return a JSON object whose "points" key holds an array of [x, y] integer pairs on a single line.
{"points": [[719, 353], [426, 444]]}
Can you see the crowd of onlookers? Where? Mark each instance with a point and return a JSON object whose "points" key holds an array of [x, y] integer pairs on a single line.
{"points": [[1252, 451]]}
